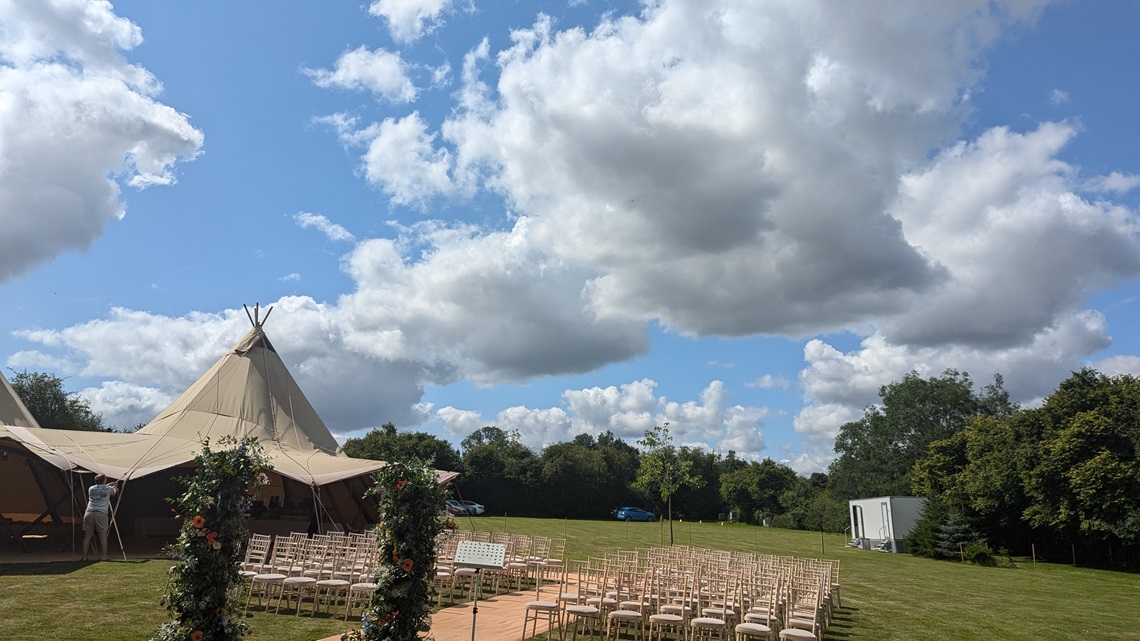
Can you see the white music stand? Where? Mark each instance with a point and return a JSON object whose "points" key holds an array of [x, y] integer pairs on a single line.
{"points": [[479, 555]]}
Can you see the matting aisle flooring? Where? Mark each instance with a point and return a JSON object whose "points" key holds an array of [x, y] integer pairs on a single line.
{"points": [[499, 618]]}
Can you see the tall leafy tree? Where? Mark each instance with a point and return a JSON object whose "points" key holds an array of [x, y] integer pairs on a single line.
{"points": [[1085, 478], [52, 406], [704, 500], [1065, 474], [756, 490], [500, 472], [877, 452], [663, 469], [388, 444], [573, 480]]}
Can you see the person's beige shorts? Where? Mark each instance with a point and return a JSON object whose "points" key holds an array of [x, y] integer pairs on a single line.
{"points": [[96, 521]]}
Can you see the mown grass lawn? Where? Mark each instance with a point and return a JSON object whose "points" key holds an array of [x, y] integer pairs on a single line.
{"points": [[885, 596]]}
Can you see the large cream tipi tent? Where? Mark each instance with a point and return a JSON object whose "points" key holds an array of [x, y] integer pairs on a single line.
{"points": [[247, 392]]}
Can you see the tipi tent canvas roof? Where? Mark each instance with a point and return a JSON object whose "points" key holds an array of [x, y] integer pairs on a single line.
{"points": [[248, 392], [12, 409]]}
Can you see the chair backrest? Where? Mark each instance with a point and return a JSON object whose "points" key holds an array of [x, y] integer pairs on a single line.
{"points": [[557, 550], [257, 551]]}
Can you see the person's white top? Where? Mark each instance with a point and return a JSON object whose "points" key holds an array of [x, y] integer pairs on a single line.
{"points": [[99, 498]]}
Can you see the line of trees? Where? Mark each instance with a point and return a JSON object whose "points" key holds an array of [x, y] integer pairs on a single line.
{"points": [[589, 476]]}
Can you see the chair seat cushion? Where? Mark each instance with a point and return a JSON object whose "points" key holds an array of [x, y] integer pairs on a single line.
{"points": [[630, 615], [753, 628], [707, 622], [583, 610], [795, 634], [662, 617], [675, 609], [541, 605]]}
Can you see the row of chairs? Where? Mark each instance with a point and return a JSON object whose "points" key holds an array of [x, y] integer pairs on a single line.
{"points": [[528, 560], [672, 593], [329, 569]]}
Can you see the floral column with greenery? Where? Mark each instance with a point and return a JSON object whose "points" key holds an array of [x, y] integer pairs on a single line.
{"points": [[411, 516], [211, 544]]}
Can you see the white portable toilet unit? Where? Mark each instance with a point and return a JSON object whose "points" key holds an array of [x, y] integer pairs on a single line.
{"points": [[882, 523]]}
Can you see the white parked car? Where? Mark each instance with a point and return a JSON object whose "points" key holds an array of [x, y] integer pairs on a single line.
{"points": [[472, 507]]}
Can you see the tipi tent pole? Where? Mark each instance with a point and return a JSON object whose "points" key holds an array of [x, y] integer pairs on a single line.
{"points": [[115, 520]]}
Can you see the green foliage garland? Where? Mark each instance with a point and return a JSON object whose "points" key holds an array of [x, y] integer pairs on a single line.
{"points": [[411, 516], [212, 542]]}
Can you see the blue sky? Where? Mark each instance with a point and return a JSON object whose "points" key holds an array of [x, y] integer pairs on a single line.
{"points": [[563, 217]]}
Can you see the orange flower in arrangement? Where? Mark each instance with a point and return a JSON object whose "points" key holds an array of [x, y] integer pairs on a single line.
{"points": [[197, 635], [407, 565], [199, 521], [395, 557], [211, 537], [401, 484]]}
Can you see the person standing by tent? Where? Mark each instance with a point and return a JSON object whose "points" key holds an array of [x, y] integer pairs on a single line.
{"points": [[98, 514]]}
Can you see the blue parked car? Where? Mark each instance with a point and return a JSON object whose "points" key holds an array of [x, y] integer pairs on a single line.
{"points": [[634, 514]]}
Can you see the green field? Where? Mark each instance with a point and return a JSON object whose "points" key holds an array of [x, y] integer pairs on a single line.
{"points": [[885, 596]]}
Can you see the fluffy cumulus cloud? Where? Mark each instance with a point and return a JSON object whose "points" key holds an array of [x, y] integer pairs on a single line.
{"points": [[399, 157], [769, 162], [124, 406], [77, 122], [838, 385], [384, 73], [409, 20], [627, 411], [485, 306]]}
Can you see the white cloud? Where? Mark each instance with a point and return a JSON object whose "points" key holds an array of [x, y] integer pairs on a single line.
{"points": [[322, 224], [484, 306], [291, 277], [384, 73], [1114, 183], [77, 121], [459, 423], [124, 406], [537, 428], [768, 381], [837, 385], [400, 159], [703, 134], [1019, 248], [628, 411], [409, 20], [1118, 365], [1058, 97]]}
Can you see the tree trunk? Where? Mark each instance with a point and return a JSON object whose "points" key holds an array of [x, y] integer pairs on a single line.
{"points": [[670, 519]]}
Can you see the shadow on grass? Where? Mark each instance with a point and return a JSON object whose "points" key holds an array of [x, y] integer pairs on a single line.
{"points": [[43, 569]]}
